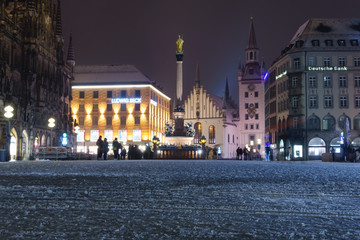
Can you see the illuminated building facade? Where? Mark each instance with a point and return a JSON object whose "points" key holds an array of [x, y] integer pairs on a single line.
{"points": [[251, 99], [35, 76], [214, 117], [313, 90], [117, 102]]}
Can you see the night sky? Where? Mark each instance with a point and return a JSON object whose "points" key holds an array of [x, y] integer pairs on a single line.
{"points": [[143, 33]]}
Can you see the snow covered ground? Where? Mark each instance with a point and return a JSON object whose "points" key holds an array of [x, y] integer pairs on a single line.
{"points": [[179, 200]]}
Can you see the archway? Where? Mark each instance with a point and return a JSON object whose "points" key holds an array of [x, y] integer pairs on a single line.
{"points": [[317, 147], [335, 143], [25, 153], [13, 144]]}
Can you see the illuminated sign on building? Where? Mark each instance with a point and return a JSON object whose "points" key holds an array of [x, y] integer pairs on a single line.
{"points": [[126, 100], [153, 102], [280, 75], [327, 68]]}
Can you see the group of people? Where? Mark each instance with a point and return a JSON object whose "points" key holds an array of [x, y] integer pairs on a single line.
{"points": [[103, 149], [248, 155]]}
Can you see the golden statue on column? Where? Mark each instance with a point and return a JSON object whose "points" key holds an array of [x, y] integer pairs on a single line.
{"points": [[179, 45]]}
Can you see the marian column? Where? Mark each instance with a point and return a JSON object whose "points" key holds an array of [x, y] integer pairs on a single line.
{"points": [[179, 77]]}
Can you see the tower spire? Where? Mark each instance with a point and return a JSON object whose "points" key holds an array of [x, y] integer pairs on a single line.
{"points": [[58, 20], [197, 76], [252, 38], [227, 93], [70, 59]]}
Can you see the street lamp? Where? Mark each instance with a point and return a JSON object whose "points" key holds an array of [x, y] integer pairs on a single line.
{"points": [[51, 125], [202, 141], [8, 114], [155, 141]]}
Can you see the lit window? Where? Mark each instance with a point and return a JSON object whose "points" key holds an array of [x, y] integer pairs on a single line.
{"points": [[198, 132], [94, 135], [80, 136], [212, 134], [123, 135], [327, 81], [341, 42], [136, 135], [108, 134]]}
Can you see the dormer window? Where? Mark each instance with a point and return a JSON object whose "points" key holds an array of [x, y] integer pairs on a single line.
{"points": [[299, 44], [354, 42], [329, 43], [315, 43], [341, 42]]}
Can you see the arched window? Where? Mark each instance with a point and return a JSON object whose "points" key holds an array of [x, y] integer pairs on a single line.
{"points": [[357, 122], [317, 146], [198, 132], [356, 143], [313, 122], [328, 122], [212, 134], [343, 124], [335, 143]]}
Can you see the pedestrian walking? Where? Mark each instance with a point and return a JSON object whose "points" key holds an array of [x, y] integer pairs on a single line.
{"points": [[123, 153], [105, 148], [116, 149], [99, 144], [333, 153]]}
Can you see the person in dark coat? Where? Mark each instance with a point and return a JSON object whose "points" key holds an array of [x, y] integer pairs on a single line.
{"points": [[116, 149], [105, 148], [123, 153], [99, 144]]}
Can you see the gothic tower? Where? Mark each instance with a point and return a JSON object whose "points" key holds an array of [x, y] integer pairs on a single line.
{"points": [[251, 98]]}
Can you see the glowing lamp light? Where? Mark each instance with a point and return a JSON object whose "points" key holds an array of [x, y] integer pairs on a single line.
{"points": [[51, 123], [9, 111]]}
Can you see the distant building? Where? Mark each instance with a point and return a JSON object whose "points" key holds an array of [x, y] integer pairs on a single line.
{"points": [[251, 99], [35, 77], [313, 90], [214, 117], [117, 101]]}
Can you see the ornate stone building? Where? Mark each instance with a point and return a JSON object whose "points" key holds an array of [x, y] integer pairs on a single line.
{"points": [[35, 77], [313, 91], [214, 117], [251, 98]]}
